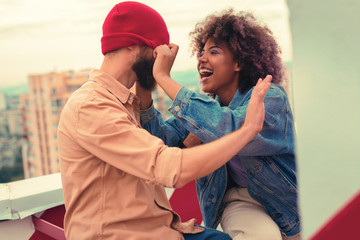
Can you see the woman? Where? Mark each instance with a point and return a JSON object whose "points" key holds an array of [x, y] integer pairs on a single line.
{"points": [[253, 196]]}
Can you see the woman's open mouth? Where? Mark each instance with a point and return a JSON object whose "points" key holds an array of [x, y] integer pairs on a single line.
{"points": [[205, 74]]}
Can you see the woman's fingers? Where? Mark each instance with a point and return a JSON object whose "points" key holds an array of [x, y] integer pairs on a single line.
{"points": [[262, 86], [170, 50], [174, 48]]}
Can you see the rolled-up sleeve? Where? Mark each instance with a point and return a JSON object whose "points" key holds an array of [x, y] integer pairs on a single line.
{"points": [[121, 143]]}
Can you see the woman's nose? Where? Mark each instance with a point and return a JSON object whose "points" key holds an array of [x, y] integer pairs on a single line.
{"points": [[202, 58]]}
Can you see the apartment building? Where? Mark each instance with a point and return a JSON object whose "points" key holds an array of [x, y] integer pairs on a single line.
{"points": [[41, 109]]}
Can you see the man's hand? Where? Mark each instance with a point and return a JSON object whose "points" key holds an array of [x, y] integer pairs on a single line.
{"points": [[191, 140], [145, 97], [255, 112], [201, 160]]}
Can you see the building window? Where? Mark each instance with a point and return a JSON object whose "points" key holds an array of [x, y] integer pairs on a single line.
{"points": [[72, 88], [59, 103]]}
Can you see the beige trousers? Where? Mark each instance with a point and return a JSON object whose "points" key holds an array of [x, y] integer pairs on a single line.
{"points": [[245, 219]]}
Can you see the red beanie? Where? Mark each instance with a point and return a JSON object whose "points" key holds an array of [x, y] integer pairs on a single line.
{"points": [[133, 23]]}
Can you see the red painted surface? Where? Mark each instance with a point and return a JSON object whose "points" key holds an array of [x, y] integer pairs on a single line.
{"points": [[40, 236], [344, 225], [55, 215], [184, 202], [50, 225]]}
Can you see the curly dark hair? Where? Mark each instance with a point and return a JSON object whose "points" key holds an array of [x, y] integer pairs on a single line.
{"points": [[253, 45]]}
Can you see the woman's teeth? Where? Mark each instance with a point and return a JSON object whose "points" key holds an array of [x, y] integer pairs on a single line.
{"points": [[205, 74]]}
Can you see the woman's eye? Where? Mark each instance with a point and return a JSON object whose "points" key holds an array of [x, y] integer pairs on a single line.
{"points": [[201, 54], [214, 51]]}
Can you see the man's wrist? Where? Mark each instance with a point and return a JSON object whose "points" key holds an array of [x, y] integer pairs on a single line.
{"points": [[181, 143]]}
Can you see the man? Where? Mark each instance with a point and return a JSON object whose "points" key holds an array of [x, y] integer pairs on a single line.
{"points": [[113, 171]]}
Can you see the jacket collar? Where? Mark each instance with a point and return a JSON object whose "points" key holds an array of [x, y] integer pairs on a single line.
{"points": [[239, 98]]}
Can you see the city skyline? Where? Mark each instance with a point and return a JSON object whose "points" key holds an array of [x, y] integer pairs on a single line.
{"points": [[38, 37]]}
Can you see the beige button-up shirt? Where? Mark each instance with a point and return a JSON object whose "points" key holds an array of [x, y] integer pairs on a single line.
{"points": [[113, 171]]}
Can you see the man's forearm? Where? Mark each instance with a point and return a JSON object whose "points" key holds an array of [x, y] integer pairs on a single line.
{"points": [[201, 160], [191, 141]]}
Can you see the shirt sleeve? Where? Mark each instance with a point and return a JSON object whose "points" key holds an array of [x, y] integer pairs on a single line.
{"points": [[105, 129], [170, 131], [204, 116]]}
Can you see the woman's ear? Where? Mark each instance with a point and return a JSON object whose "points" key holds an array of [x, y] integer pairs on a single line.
{"points": [[238, 67]]}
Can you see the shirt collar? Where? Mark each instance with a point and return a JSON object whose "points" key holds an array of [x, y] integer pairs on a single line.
{"points": [[112, 85]]}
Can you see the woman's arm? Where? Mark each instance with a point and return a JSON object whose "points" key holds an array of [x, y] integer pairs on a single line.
{"points": [[201, 160], [170, 131], [164, 59], [194, 111]]}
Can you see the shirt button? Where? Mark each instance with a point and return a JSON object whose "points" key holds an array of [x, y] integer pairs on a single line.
{"points": [[213, 200], [177, 108]]}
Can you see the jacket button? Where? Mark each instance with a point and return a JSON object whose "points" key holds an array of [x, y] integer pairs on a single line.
{"points": [[177, 108], [213, 200]]}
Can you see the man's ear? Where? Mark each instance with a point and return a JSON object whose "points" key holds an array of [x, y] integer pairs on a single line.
{"points": [[134, 48], [133, 51]]}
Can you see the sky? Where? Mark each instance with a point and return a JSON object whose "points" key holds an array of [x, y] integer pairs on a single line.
{"points": [[41, 36]]}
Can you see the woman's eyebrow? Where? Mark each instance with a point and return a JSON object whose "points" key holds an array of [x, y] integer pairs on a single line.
{"points": [[215, 46]]}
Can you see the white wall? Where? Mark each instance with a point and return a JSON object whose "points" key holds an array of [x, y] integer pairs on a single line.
{"points": [[326, 91]]}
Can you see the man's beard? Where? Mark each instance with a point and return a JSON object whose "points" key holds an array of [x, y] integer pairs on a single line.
{"points": [[144, 71]]}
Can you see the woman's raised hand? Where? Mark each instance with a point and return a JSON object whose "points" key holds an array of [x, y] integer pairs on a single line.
{"points": [[164, 59], [255, 112]]}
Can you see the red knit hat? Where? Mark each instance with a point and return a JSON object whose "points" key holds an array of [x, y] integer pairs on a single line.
{"points": [[133, 23]]}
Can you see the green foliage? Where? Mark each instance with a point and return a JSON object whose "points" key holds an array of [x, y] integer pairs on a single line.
{"points": [[186, 78], [14, 173], [9, 174], [16, 90]]}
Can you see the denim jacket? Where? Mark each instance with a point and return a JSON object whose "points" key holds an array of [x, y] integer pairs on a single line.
{"points": [[268, 159]]}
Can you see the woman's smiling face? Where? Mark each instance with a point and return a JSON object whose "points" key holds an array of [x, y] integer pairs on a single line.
{"points": [[219, 73]]}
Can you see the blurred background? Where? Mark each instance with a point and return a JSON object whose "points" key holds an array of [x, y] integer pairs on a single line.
{"points": [[48, 48]]}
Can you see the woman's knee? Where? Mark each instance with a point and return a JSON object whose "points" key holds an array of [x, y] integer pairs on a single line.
{"points": [[259, 234]]}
